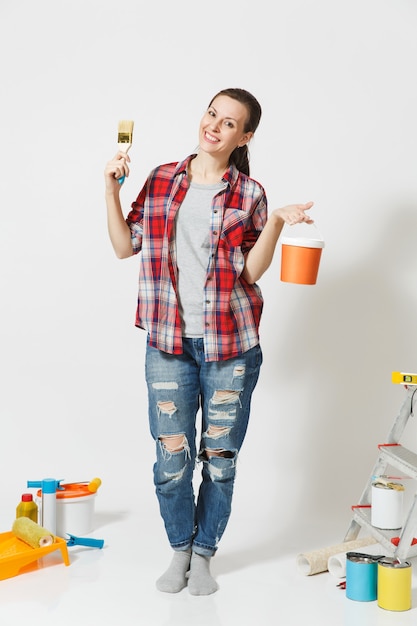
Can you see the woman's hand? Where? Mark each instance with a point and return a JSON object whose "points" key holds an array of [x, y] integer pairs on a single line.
{"points": [[115, 169], [294, 213]]}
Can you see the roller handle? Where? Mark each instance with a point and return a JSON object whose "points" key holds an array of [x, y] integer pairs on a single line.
{"points": [[84, 541]]}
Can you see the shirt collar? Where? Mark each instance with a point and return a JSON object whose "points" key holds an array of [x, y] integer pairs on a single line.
{"points": [[230, 176]]}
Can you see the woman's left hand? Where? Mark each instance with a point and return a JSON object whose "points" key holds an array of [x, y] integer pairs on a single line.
{"points": [[295, 213]]}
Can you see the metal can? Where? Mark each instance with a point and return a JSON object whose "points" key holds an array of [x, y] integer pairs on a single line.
{"points": [[394, 584], [387, 505], [361, 577]]}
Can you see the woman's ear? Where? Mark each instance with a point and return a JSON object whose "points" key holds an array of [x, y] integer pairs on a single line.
{"points": [[245, 139]]}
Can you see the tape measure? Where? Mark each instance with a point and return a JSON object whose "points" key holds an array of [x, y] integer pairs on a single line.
{"points": [[401, 378]]}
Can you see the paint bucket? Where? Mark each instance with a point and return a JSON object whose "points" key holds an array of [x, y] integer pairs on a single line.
{"points": [[300, 259], [394, 584], [361, 577], [387, 505], [74, 509]]}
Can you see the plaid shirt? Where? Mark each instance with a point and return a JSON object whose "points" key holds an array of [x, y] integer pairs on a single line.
{"points": [[232, 307]]}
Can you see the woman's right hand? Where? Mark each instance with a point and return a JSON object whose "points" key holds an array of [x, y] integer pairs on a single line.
{"points": [[115, 169]]}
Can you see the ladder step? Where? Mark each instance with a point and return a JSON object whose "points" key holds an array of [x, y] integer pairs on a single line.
{"points": [[363, 517], [400, 457]]}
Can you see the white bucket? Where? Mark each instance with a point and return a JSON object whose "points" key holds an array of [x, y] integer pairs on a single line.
{"points": [[75, 516], [74, 508]]}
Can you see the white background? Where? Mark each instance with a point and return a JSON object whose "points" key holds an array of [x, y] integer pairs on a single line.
{"points": [[336, 81]]}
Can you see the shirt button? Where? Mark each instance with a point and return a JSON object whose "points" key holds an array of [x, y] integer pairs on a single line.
{"points": [[214, 232]]}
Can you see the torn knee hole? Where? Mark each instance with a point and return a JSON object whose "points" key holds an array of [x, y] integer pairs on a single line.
{"points": [[210, 452], [173, 443], [223, 397], [214, 432], [167, 406]]}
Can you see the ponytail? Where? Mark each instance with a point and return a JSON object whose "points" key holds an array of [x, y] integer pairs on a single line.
{"points": [[240, 158]]}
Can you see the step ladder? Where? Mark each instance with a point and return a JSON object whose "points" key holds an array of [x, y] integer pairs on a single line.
{"points": [[393, 454]]}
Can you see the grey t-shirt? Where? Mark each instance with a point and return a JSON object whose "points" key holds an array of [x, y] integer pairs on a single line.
{"points": [[193, 248]]}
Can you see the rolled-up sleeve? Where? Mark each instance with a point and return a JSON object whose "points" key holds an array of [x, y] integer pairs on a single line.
{"points": [[135, 221]]}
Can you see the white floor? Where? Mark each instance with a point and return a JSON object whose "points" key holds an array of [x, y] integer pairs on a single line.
{"points": [[258, 584]]}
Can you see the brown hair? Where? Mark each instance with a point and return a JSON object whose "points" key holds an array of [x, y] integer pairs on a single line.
{"points": [[240, 156]]}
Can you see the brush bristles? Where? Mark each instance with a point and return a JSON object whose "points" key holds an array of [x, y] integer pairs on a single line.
{"points": [[125, 131]]}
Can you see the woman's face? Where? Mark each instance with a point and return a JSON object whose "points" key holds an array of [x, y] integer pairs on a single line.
{"points": [[222, 127]]}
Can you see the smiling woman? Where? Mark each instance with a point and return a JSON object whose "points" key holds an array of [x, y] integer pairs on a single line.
{"points": [[205, 238]]}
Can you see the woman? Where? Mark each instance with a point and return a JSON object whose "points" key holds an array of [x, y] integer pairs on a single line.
{"points": [[205, 239]]}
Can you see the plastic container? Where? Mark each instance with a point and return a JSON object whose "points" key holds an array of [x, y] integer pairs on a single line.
{"points": [[17, 557], [48, 501], [27, 507], [300, 260], [75, 504]]}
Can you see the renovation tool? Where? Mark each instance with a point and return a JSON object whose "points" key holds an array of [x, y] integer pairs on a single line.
{"points": [[18, 556], [84, 541], [31, 533], [391, 454], [401, 378], [124, 139], [394, 584], [49, 488], [27, 507]]}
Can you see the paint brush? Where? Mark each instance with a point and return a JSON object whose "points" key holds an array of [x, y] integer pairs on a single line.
{"points": [[124, 139]]}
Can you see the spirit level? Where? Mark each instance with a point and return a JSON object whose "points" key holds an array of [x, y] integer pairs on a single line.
{"points": [[402, 378]]}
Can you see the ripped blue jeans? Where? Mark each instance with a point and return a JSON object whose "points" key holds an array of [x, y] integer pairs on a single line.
{"points": [[178, 387]]}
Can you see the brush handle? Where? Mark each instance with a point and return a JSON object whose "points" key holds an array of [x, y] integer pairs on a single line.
{"points": [[123, 147]]}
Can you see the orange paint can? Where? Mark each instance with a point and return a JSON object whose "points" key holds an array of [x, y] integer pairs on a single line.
{"points": [[300, 260]]}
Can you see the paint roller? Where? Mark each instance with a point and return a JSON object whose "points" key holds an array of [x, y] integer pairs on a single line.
{"points": [[38, 537], [32, 533]]}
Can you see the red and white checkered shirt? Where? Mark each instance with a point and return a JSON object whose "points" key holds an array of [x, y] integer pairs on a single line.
{"points": [[232, 307]]}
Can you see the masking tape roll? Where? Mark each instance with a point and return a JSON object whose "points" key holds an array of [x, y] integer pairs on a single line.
{"points": [[337, 562], [310, 563], [31, 533]]}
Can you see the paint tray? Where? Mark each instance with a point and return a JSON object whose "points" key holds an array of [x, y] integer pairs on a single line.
{"points": [[17, 557]]}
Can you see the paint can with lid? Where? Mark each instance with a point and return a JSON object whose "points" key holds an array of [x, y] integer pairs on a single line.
{"points": [[75, 504], [361, 577], [394, 584], [387, 505]]}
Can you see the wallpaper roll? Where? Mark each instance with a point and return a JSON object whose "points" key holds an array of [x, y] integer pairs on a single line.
{"points": [[310, 563], [337, 562], [31, 533]]}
